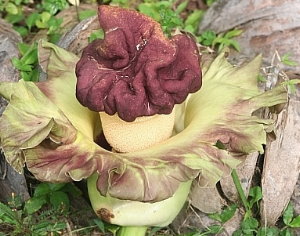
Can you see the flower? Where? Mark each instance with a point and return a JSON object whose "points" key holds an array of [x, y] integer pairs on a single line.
{"points": [[46, 127]]}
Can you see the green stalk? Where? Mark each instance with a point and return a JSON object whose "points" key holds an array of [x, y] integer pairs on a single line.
{"points": [[132, 231], [240, 190]]}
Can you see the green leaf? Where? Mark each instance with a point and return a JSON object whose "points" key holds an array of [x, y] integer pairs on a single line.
{"points": [[286, 232], [288, 214], [56, 187], [100, 225], [54, 24], [286, 59], [53, 6], [25, 75], [48, 226], [24, 67], [228, 213], [11, 8], [42, 22], [99, 34], [233, 33], [15, 202], [54, 38], [31, 75], [72, 190], [225, 215], [86, 14], [291, 84], [5, 210], [18, 2], [295, 222], [41, 227], [57, 226], [121, 3], [268, 231], [41, 190], [212, 230], [222, 42], [261, 78], [112, 228], [31, 19], [215, 216], [181, 7], [30, 57], [14, 18], [34, 75], [149, 9], [169, 20], [194, 18], [210, 2], [238, 232], [34, 204], [20, 65], [235, 45], [207, 37], [8, 220], [164, 4], [45, 16], [249, 225], [60, 201], [23, 31], [256, 194], [190, 28], [23, 48]]}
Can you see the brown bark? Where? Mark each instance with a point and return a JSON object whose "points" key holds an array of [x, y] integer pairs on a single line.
{"points": [[268, 26], [282, 161], [10, 180]]}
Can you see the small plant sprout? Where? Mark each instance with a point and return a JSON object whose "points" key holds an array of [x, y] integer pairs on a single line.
{"points": [[162, 126], [42, 214], [210, 38], [250, 224], [286, 59]]}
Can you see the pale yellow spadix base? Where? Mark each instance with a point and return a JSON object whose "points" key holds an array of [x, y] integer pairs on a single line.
{"points": [[133, 213], [142, 133]]}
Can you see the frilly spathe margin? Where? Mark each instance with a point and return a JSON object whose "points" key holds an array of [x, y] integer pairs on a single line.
{"points": [[45, 127]]}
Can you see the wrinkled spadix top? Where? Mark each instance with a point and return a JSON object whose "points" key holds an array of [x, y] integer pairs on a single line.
{"points": [[135, 70]]}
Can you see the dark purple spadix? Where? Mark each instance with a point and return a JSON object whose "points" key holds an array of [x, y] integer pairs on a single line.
{"points": [[135, 70]]}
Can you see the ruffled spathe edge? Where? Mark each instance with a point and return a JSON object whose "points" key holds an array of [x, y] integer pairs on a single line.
{"points": [[46, 127]]}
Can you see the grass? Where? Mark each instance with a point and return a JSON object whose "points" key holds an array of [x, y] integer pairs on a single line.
{"points": [[51, 210]]}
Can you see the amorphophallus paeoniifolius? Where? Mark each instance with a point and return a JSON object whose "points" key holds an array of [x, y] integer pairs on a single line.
{"points": [[134, 77]]}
